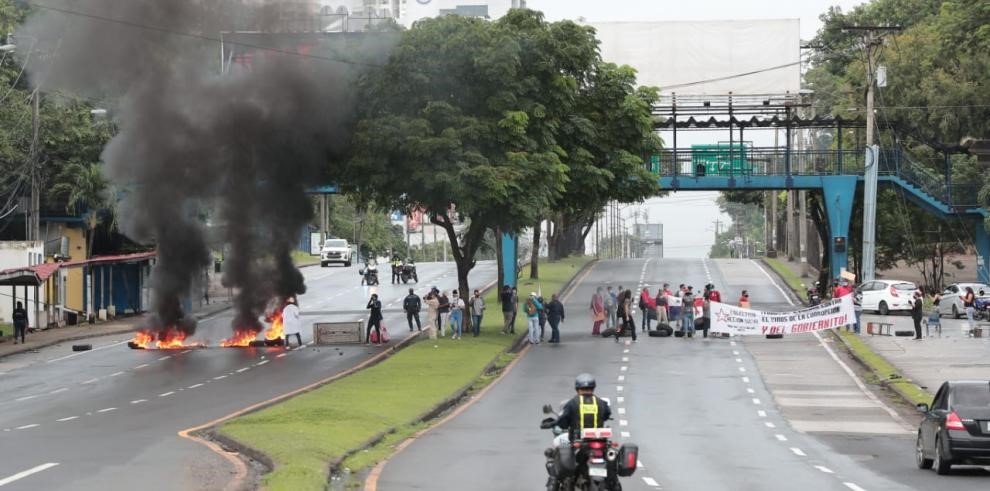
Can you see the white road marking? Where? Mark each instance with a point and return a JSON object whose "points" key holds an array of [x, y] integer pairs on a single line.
{"points": [[769, 424], [625, 434], [167, 393], [107, 410], [651, 482], [762, 413], [60, 389], [734, 352], [738, 360], [262, 362], [27, 427], [138, 401], [824, 469], [742, 369], [219, 377], [756, 401], [732, 343], [25, 398], [622, 410], [164, 358], [622, 422], [618, 388], [781, 437], [622, 378], [91, 381], [798, 452], [114, 374], [751, 391], [187, 351], [279, 355], [853, 486], [746, 379], [625, 351], [625, 359], [622, 369], [21, 475], [620, 399], [143, 365], [66, 357], [70, 418], [243, 369], [194, 386]]}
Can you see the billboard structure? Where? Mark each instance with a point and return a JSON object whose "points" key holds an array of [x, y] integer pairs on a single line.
{"points": [[710, 57]]}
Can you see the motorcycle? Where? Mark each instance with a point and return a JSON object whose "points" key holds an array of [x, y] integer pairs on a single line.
{"points": [[408, 272], [814, 298], [592, 463], [369, 275]]}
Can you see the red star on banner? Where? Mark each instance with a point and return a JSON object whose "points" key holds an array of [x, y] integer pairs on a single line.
{"points": [[721, 316]]}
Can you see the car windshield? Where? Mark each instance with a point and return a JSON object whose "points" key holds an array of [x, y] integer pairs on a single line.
{"points": [[905, 286], [335, 243], [972, 395]]}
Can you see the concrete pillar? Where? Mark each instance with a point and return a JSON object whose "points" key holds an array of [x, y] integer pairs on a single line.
{"points": [[838, 193], [510, 244], [982, 239]]}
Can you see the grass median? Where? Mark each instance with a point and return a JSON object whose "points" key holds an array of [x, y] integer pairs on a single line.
{"points": [[304, 434], [793, 281], [884, 373]]}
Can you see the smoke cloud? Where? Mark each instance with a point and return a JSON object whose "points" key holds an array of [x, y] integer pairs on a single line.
{"points": [[237, 151]]}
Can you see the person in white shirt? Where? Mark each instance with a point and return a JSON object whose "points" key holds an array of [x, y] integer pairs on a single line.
{"points": [[291, 323]]}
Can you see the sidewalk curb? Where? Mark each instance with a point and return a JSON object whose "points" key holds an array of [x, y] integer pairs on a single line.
{"points": [[795, 296], [849, 349]]}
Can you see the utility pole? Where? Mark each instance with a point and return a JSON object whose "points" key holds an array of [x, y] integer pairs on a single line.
{"points": [[802, 209], [34, 222], [717, 226], [873, 43]]}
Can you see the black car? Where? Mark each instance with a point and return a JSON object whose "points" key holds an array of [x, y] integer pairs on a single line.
{"points": [[956, 429]]}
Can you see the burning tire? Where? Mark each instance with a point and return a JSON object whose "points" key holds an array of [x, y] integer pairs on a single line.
{"points": [[133, 345], [82, 347]]}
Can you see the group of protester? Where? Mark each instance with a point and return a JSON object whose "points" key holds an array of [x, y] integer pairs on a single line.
{"points": [[538, 313], [613, 309]]}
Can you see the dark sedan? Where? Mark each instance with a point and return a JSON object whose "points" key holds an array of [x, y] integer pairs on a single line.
{"points": [[956, 429]]}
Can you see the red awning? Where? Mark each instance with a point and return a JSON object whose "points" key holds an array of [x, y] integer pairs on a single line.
{"points": [[29, 276]]}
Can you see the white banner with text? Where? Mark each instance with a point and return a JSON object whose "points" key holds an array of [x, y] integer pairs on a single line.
{"points": [[743, 322]]}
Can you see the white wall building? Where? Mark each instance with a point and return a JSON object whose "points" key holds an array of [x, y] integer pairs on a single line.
{"points": [[19, 254], [408, 11]]}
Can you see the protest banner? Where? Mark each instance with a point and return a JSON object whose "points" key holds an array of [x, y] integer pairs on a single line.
{"points": [[742, 322]]}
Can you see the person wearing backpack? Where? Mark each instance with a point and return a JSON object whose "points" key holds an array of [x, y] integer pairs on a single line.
{"points": [[532, 307], [412, 305]]}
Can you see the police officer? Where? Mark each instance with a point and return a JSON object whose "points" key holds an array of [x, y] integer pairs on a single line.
{"points": [[396, 268], [585, 410]]}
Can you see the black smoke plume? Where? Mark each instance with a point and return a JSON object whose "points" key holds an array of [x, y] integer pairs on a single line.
{"points": [[236, 150]]}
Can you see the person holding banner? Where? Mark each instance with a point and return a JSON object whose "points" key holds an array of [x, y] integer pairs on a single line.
{"points": [[744, 300], [597, 311], [661, 303]]}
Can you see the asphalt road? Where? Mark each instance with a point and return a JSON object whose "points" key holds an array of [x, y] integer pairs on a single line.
{"points": [[107, 419], [702, 411]]}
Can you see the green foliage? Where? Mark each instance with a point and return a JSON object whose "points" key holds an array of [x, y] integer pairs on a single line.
{"points": [[367, 226]]}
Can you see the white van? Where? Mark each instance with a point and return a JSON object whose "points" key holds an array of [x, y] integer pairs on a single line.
{"points": [[335, 251]]}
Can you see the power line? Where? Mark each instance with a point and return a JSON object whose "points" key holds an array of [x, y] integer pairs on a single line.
{"points": [[730, 77], [191, 35]]}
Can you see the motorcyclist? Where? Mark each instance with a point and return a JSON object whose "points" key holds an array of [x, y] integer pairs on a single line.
{"points": [[371, 268], [396, 268], [584, 410]]}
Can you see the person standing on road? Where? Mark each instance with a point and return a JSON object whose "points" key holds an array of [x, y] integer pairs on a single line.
{"points": [[291, 323], [661, 303], [744, 300], [969, 303], [444, 311], [543, 316], [533, 308], [687, 313], [477, 311], [515, 310], [706, 311], [505, 298], [625, 316], [375, 319], [432, 304], [456, 315], [611, 306], [412, 305], [917, 304], [598, 312], [555, 315], [648, 305], [20, 320]]}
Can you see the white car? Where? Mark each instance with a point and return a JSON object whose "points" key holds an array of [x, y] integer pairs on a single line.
{"points": [[952, 303], [335, 251], [884, 296]]}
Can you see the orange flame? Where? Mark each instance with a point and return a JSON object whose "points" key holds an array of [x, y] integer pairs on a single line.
{"points": [[241, 338], [142, 339], [276, 331]]}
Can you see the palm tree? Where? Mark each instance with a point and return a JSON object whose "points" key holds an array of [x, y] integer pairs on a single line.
{"points": [[86, 189]]}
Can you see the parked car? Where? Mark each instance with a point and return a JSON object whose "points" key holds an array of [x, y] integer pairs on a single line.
{"points": [[956, 428], [952, 303], [884, 296], [335, 251]]}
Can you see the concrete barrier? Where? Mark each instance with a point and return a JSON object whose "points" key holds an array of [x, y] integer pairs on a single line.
{"points": [[325, 333]]}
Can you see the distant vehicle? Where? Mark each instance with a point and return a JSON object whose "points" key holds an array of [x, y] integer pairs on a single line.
{"points": [[884, 296], [956, 429], [952, 303], [335, 251]]}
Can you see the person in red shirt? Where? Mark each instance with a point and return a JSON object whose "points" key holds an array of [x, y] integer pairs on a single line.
{"points": [[647, 304], [744, 300]]}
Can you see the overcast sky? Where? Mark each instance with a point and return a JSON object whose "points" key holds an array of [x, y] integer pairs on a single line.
{"points": [[689, 217]]}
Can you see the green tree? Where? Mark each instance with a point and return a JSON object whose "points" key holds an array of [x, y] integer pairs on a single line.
{"points": [[463, 121]]}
